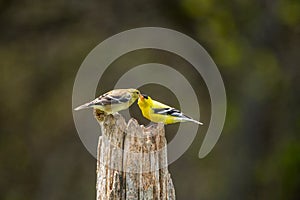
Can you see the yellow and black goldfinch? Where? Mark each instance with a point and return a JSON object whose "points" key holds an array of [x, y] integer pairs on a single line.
{"points": [[159, 112]]}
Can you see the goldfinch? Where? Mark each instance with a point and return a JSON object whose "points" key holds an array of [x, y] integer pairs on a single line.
{"points": [[113, 101], [159, 112]]}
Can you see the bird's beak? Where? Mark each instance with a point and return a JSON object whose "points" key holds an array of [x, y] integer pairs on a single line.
{"points": [[141, 97]]}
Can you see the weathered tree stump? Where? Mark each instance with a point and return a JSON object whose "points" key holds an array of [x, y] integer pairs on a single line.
{"points": [[132, 160]]}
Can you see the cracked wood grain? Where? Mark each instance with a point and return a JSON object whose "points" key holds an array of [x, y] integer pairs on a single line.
{"points": [[132, 160]]}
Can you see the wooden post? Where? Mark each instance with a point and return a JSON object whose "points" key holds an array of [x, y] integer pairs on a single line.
{"points": [[132, 160]]}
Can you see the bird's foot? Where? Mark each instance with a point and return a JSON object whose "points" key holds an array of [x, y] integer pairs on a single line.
{"points": [[99, 115]]}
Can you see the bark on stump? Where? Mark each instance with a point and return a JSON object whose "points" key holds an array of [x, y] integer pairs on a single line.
{"points": [[132, 160]]}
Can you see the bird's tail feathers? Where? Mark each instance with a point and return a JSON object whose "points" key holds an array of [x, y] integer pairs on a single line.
{"points": [[84, 106], [192, 120]]}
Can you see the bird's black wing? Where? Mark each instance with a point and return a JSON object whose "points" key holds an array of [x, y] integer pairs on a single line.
{"points": [[169, 111]]}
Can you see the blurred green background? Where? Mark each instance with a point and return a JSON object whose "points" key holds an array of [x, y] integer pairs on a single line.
{"points": [[255, 44]]}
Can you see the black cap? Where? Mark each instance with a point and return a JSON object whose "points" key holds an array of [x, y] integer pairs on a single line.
{"points": [[145, 96]]}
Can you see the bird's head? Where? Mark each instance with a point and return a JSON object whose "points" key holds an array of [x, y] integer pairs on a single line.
{"points": [[144, 100], [135, 93]]}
